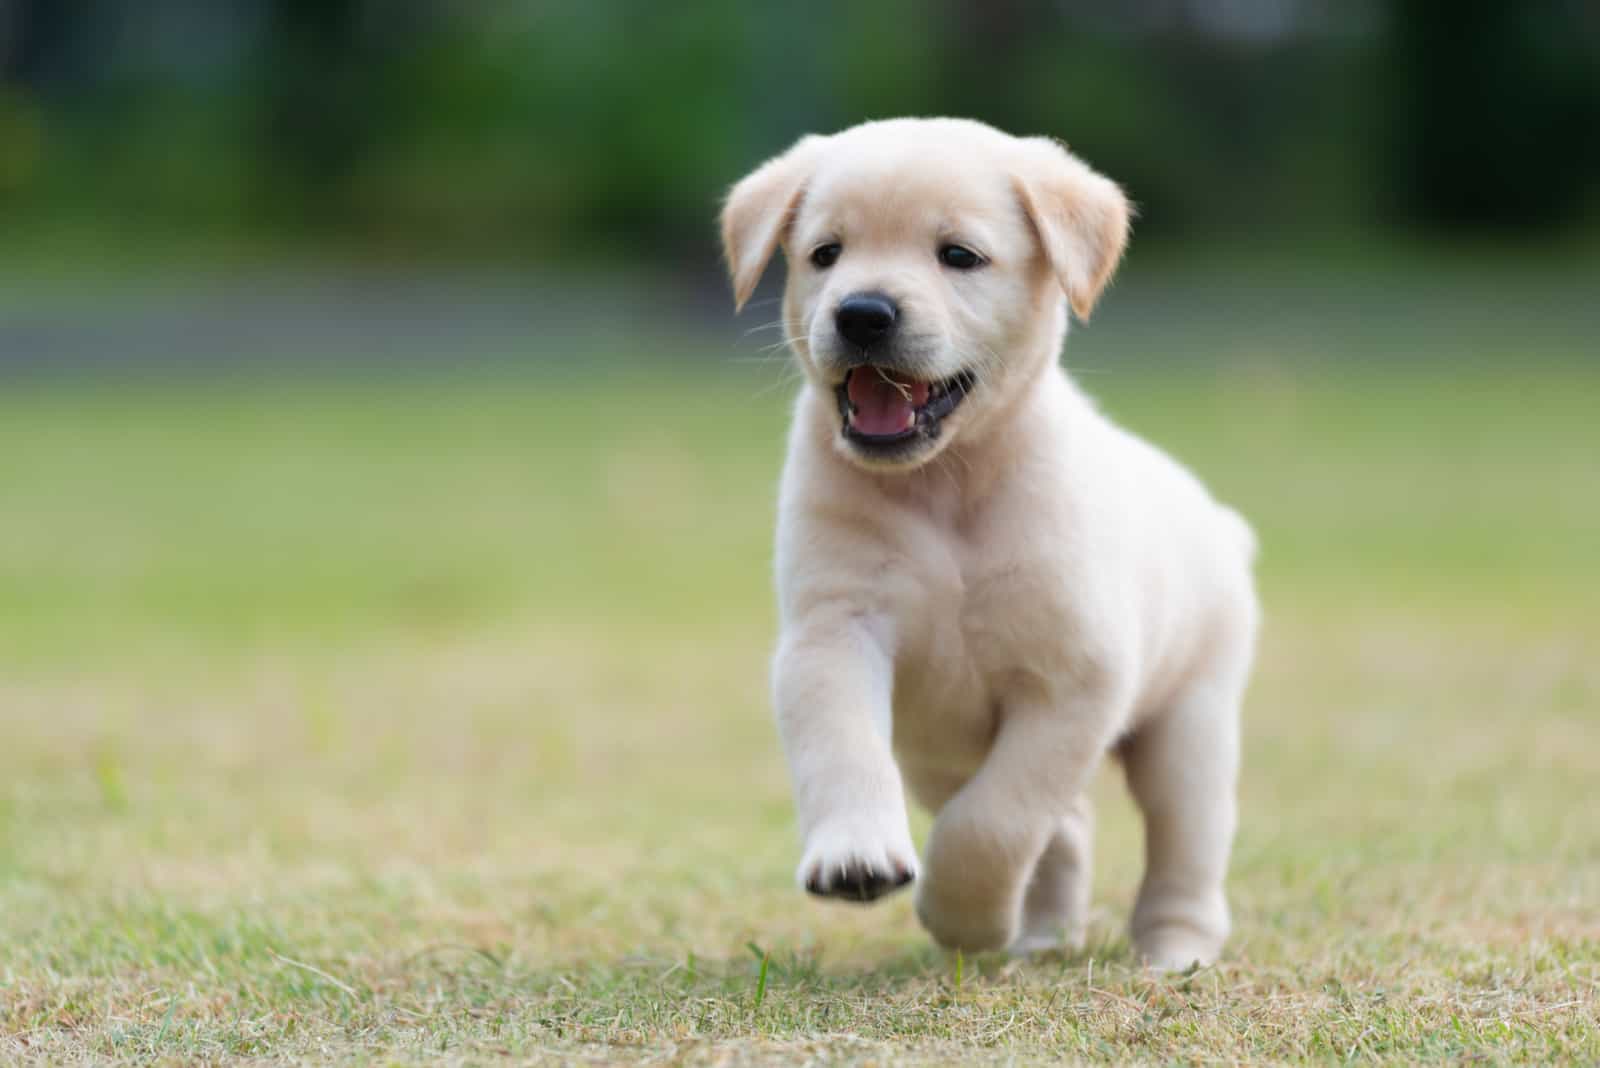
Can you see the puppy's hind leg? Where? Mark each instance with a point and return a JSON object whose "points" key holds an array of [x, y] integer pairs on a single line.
{"points": [[1056, 909], [987, 841], [1182, 768]]}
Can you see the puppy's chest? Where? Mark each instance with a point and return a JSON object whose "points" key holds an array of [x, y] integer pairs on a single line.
{"points": [[971, 626]]}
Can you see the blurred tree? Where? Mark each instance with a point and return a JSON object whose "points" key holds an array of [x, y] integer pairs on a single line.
{"points": [[28, 28], [1494, 111], [316, 109], [610, 127]]}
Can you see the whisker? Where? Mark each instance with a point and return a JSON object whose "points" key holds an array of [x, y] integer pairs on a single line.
{"points": [[772, 325], [783, 381], [955, 453], [955, 483]]}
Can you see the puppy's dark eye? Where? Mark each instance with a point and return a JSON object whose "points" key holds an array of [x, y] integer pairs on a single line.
{"points": [[825, 255], [960, 257]]}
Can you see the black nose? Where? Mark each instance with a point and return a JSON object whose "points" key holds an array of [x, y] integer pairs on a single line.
{"points": [[864, 319]]}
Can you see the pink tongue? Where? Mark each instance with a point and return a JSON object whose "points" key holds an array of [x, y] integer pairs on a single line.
{"points": [[884, 407]]}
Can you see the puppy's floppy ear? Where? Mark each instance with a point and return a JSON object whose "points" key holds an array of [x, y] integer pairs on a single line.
{"points": [[760, 209], [1081, 218]]}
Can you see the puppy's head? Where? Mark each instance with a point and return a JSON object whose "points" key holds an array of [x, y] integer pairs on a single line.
{"points": [[930, 263]]}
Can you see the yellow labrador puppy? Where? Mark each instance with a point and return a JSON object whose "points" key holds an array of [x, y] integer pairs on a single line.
{"points": [[985, 585]]}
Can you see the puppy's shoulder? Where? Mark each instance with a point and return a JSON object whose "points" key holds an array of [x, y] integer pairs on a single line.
{"points": [[1155, 492]]}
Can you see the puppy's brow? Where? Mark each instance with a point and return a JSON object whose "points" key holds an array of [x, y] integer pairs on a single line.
{"points": [[971, 232]]}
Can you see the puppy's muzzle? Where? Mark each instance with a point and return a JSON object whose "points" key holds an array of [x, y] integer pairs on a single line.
{"points": [[866, 320]]}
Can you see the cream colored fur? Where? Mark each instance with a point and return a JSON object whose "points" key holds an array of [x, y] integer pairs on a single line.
{"points": [[984, 621]]}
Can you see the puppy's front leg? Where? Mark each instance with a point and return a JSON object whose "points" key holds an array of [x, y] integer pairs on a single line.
{"points": [[832, 684], [988, 839]]}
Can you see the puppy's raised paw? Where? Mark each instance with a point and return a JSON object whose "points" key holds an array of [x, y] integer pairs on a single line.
{"points": [[856, 864], [856, 880]]}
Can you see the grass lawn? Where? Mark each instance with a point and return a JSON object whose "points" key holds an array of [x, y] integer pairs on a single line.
{"points": [[416, 719]]}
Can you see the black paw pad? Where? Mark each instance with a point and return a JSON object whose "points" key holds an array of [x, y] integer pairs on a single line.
{"points": [[857, 881]]}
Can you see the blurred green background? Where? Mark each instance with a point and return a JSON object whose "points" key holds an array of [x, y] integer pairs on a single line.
{"points": [[531, 130], [405, 177], [220, 201], [386, 503]]}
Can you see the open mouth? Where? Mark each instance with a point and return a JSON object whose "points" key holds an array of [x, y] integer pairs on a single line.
{"points": [[883, 407]]}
